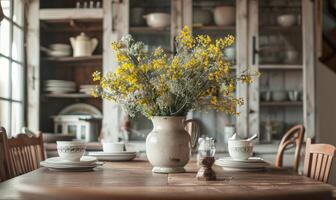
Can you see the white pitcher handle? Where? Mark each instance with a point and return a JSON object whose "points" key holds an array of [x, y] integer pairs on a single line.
{"points": [[193, 128], [94, 44]]}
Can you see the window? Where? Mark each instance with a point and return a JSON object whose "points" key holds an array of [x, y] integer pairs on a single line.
{"points": [[12, 66]]}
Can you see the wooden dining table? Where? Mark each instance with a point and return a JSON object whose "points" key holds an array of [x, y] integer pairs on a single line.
{"points": [[135, 180]]}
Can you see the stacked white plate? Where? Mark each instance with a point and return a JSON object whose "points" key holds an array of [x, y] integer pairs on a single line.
{"points": [[59, 86], [87, 89], [86, 163], [118, 156], [252, 164]]}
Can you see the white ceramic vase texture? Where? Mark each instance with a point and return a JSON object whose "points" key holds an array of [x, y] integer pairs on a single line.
{"points": [[168, 145]]}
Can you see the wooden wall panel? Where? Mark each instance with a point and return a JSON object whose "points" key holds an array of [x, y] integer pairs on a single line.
{"points": [[242, 64], [309, 64], [33, 66]]}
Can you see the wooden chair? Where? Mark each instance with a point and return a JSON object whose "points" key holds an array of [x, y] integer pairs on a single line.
{"points": [[293, 137], [3, 166], [318, 160], [23, 153]]}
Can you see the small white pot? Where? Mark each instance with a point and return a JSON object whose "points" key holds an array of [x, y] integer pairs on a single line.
{"points": [[291, 56], [286, 20], [230, 53], [279, 95], [157, 20], [168, 145], [225, 15], [112, 147], [240, 149], [83, 45]]}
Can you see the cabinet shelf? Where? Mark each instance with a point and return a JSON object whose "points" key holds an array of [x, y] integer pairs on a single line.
{"points": [[280, 103], [66, 14], [93, 58], [214, 28], [280, 28], [149, 30], [68, 95], [280, 66]]}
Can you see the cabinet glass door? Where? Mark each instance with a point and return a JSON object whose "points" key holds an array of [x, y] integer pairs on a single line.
{"points": [[149, 22], [218, 20], [280, 62]]}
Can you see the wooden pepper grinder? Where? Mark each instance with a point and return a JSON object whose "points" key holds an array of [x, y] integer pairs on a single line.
{"points": [[206, 173]]}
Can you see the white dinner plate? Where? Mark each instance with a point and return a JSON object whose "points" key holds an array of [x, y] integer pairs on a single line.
{"points": [[59, 83], [67, 167], [85, 160], [243, 170], [250, 160], [253, 163]]}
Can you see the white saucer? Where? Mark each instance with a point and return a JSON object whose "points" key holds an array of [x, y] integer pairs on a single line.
{"points": [[87, 163], [118, 156], [67, 167], [83, 161], [102, 153]]}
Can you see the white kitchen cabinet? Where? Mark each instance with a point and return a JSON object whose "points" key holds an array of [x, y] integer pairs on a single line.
{"points": [[258, 38]]}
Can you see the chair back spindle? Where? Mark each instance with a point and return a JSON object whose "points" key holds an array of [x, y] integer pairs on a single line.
{"points": [[293, 137], [3, 166], [318, 160], [24, 153]]}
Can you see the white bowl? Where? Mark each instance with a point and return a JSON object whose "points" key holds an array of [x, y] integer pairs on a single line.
{"points": [[225, 15], [60, 47], [71, 150], [240, 149], [112, 147], [230, 53], [291, 56], [279, 95], [286, 20], [157, 20]]}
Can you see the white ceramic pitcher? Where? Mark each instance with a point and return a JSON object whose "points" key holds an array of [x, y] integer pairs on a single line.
{"points": [[82, 45]]}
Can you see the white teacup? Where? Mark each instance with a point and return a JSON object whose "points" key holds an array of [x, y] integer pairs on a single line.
{"points": [[240, 149], [71, 150], [112, 147]]}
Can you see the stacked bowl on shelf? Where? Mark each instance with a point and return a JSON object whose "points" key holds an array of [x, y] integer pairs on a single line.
{"points": [[59, 50], [86, 89], [59, 86]]}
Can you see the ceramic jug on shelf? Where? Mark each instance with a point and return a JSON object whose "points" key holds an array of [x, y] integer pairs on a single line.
{"points": [[82, 45]]}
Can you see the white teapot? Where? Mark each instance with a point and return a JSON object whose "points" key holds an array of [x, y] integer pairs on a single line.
{"points": [[82, 45]]}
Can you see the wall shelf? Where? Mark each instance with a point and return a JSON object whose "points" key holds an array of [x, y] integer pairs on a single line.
{"points": [[96, 58], [149, 30], [68, 95], [214, 28], [280, 66], [66, 14], [281, 28]]}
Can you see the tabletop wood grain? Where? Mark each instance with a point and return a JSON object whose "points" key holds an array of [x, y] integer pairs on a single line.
{"points": [[135, 178]]}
